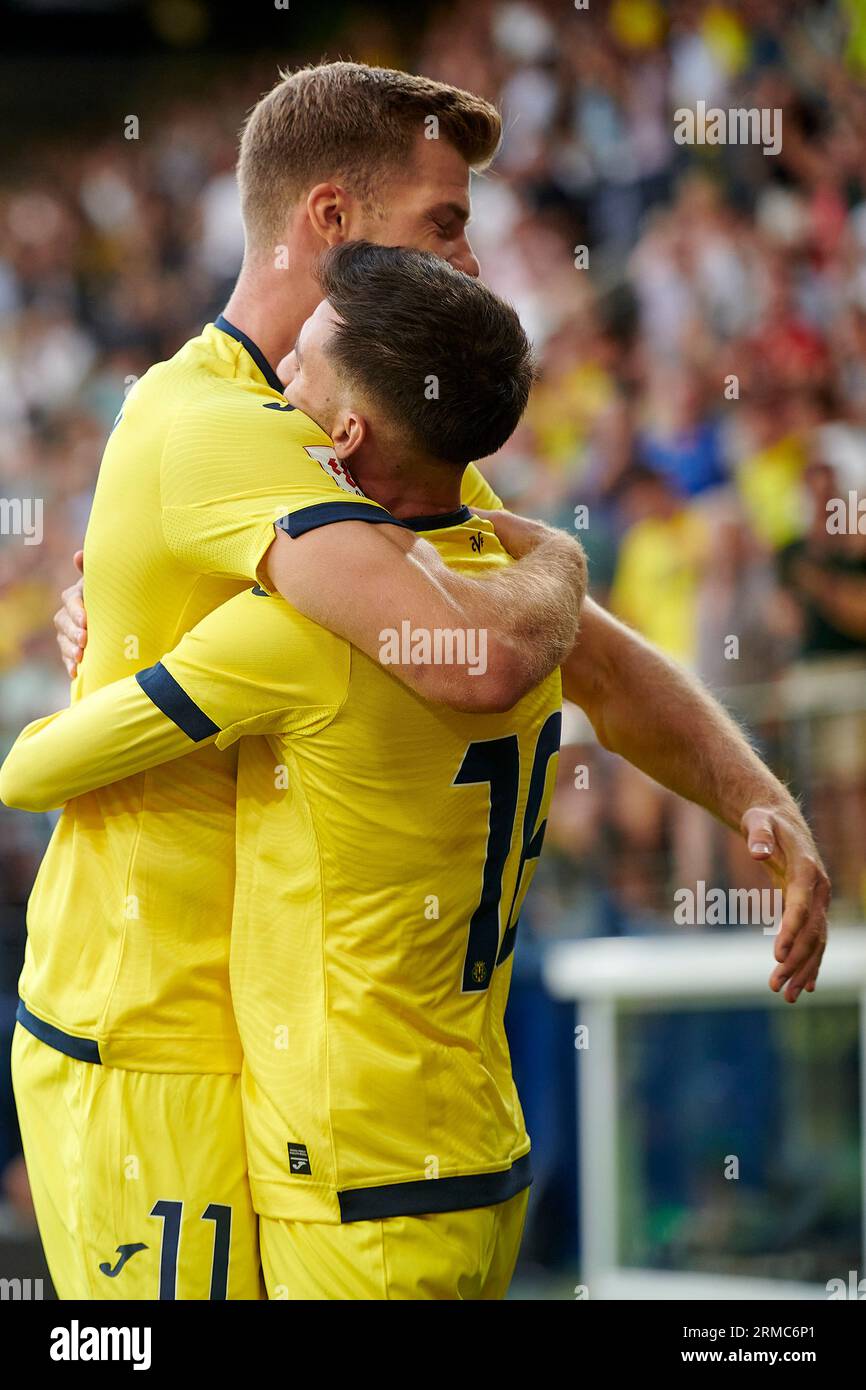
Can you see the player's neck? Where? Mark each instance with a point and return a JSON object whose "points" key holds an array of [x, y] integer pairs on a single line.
{"points": [[422, 489], [270, 305]]}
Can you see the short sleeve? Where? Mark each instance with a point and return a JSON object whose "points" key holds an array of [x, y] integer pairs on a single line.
{"points": [[233, 467]]}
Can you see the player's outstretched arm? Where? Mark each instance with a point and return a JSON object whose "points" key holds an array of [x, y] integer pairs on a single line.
{"points": [[252, 666], [358, 581], [111, 734], [649, 710], [363, 581]]}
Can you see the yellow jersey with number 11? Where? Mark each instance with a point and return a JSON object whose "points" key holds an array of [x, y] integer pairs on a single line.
{"points": [[128, 923]]}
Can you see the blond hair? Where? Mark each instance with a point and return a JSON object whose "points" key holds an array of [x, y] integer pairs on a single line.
{"points": [[350, 122]]}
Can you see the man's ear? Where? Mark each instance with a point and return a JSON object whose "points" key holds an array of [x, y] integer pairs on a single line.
{"points": [[327, 210], [348, 433]]}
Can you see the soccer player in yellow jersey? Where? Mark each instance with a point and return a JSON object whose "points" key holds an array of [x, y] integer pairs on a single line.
{"points": [[341, 151], [126, 1056], [384, 844], [129, 922]]}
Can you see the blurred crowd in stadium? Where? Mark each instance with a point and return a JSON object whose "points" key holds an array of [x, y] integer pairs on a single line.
{"points": [[700, 318]]}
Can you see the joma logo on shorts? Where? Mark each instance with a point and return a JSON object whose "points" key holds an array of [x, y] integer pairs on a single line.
{"points": [[125, 1252]]}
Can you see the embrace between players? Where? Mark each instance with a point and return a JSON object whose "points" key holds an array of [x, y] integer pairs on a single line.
{"points": [[260, 1045]]}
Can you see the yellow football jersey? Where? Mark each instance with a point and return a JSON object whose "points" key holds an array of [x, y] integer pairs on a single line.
{"points": [[385, 845], [127, 953]]}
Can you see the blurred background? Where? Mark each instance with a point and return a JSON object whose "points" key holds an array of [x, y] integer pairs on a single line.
{"points": [[700, 317]]}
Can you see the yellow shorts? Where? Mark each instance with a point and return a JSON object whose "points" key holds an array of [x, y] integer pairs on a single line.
{"points": [[448, 1255], [139, 1179]]}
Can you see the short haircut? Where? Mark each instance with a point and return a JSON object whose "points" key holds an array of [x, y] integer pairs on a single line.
{"points": [[444, 357], [349, 122]]}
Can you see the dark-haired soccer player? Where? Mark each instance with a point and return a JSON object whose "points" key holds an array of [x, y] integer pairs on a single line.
{"points": [[127, 961], [125, 1008], [384, 844]]}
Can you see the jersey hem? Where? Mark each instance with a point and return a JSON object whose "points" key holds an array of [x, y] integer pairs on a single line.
{"points": [[172, 1054], [417, 1197], [82, 1049]]}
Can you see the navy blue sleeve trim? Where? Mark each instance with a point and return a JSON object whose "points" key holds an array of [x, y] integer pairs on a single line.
{"points": [[325, 513], [430, 1195], [162, 688], [82, 1049]]}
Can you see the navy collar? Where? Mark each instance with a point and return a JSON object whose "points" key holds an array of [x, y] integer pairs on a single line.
{"points": [[255, 353], [437, 523]]}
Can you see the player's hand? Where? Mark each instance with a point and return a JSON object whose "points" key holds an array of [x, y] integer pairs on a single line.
{"points": [[518, 534], [785, 845], [71, 621], [521, 537]]}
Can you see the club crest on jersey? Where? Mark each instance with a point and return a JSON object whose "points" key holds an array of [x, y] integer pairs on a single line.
{"points": [[327, 459]]}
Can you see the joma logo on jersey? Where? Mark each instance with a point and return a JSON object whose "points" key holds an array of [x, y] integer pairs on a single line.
{"points": [[327, 459], [477, 542]]}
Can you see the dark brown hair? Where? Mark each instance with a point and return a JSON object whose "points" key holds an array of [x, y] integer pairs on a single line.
{"points": [[445, 357]]}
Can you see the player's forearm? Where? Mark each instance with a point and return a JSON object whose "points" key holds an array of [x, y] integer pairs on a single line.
{"points": [[111, 734], [367, 586], [648, 709], [22, 784]]}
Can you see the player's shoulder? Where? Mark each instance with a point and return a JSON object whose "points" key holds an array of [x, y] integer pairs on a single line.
{"points": [[165, 388], [244, 423], [201, 390], [463, 539], [248, 632], [242, 408], [475, 490]]}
